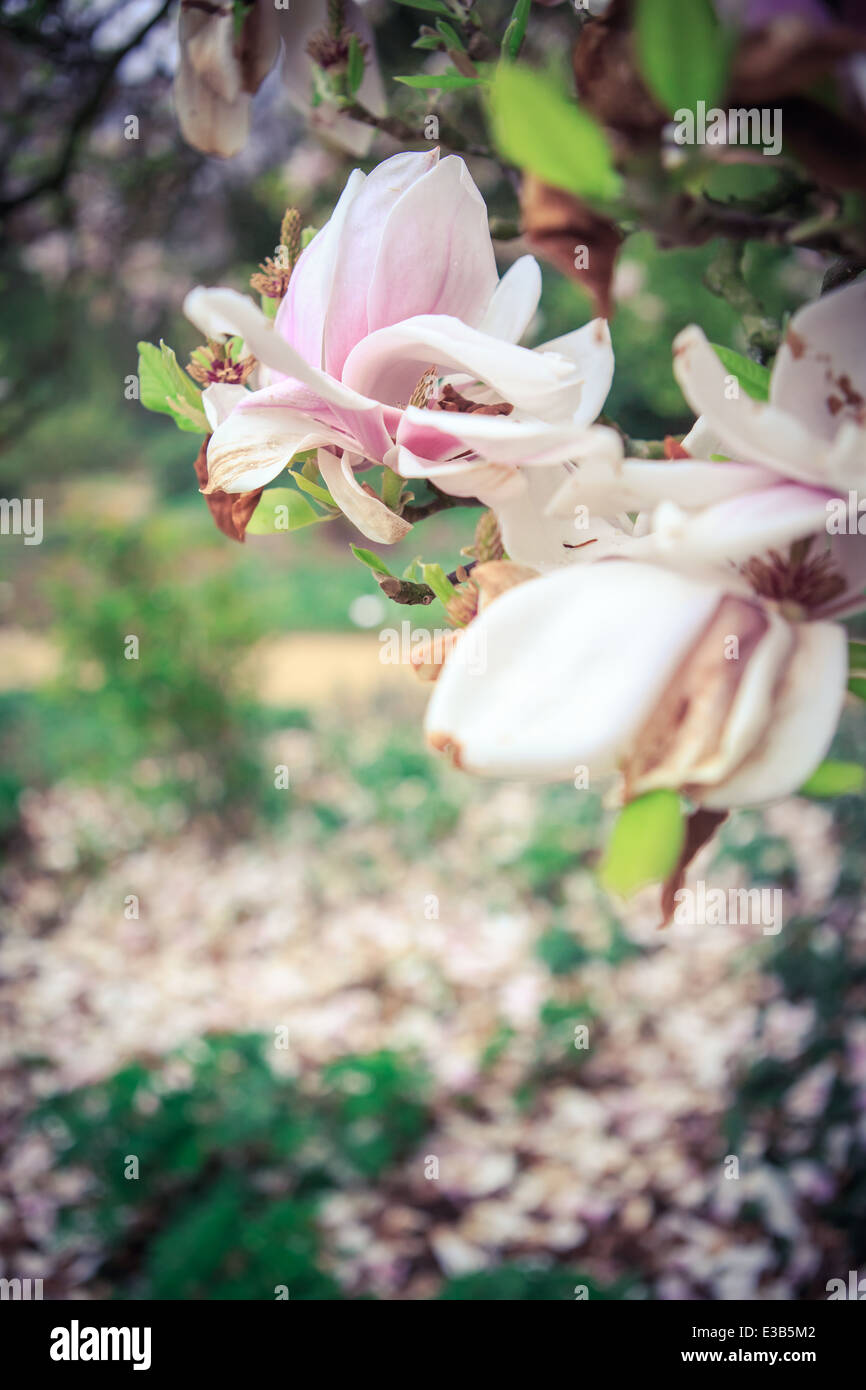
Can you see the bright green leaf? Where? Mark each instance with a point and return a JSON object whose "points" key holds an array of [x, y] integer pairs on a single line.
{"points": [[857, 686], [833, 778], [516, 32], [537, 126], [321, 494], [432, 6], [282, 509], [435, 576], [355, 66], [166, 388], [450, 35], [450, 81], [754, 379], [372, 561], [857, 656], [683, 52], [645, 844]]}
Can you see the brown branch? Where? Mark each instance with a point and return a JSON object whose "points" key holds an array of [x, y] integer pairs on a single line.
{"points": [[399, 130]]}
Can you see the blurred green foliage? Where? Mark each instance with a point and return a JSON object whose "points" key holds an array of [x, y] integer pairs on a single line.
{"points": [[231, 1160]]}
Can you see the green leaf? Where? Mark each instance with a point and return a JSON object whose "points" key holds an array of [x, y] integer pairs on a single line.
{"points": [[435, 576], [371, 561], [833, 778], [683, 52], [516, 32], [432, 41], [321, 494], [166, 388], [451, 37], [355, 66], [754, 379], [537, 126], [414, 570], [392, 489], [450, 81], [282, 509], [857, 686], [857, 656], [432, 6], [645, 844]]}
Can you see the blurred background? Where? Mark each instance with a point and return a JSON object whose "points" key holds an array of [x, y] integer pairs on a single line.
{"points": [[325, 1038]]}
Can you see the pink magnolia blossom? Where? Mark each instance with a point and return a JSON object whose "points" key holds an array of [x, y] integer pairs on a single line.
{"points": [[394, 309]]}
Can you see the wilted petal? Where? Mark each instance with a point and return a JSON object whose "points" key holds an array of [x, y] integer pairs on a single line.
{"points": [[806, 710], [252, 446], [819, 375], [573, 664], [750, 429], [369, 513]]}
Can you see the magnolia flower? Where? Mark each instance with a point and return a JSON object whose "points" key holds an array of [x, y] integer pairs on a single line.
{"points": [[222, 65], [396, 343], [782, 518], [702, 658], [671, 680]]}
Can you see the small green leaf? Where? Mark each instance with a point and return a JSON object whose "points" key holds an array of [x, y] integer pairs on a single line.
{"points": [[754, 379], [282, 509], [432, 6], [413, 570], [321, 494], [432, 41], [516, 32], [166, 388], [537, 126], [451, 37], [450, 81], [833, 778], [371, 561], [435, 576], [857, 686], [683, 52], [392, 489], [355, 66], [645, 843]]}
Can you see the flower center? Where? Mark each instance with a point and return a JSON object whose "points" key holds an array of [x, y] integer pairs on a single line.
{"points": [[799, 578]]}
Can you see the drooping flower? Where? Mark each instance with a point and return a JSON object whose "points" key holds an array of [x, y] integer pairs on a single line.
{"points": [[703, 656], [396, 343], [223, 63], [632, 668]]}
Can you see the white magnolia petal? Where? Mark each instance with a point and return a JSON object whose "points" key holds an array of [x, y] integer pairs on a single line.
{"points": [[609, 485], [806, 711], [541, 539], [589, 348], [207, 42], [436, 434], [489, 482], [219, 400], [389, 363], [702, 441], [819, 375], [514, 302], [749, 429], [741, 527], [570, 665], [251, 447], [228, 311], [370, 514]]}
